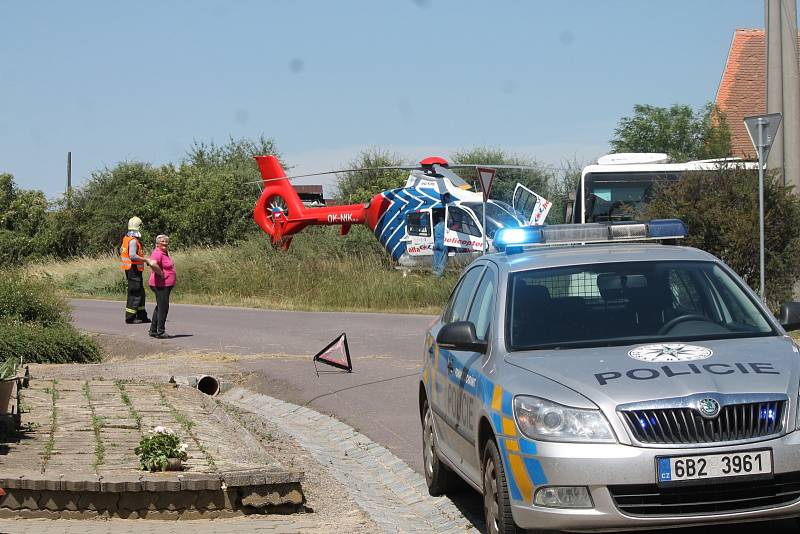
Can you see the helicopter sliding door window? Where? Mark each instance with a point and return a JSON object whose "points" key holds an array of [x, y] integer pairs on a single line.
{"points": [[419, 233], [462, 230], [419, 224]]}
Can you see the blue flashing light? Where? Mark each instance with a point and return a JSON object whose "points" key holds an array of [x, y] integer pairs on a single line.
{"points": [[667, 228], [769, 415], [506, 238], [513, 240]]}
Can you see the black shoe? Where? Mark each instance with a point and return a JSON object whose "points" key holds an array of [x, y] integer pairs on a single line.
{"points": [[163, 335], [135, 321], [129, 321], [145, 320], [152, 334]]}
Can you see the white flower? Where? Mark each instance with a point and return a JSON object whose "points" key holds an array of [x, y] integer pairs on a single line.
{"points": [[183, 446], [163, 430]]}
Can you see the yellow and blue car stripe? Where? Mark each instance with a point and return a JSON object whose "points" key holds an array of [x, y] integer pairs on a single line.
{"points": [[523, 469]]}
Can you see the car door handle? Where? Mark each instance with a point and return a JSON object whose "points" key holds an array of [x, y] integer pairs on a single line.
{"points": [[450, 367]]}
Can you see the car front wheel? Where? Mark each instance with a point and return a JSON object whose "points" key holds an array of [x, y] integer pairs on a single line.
{"points": [[496, 502], [437, 475]]}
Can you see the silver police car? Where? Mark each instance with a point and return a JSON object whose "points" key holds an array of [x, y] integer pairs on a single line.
{"points": [[611, 385]]}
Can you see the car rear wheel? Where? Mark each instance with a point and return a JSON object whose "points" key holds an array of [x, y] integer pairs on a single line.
{"points": [[437, 475]]}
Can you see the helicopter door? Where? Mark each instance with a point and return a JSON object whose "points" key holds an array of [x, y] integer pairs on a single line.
{"points": [[533, 208], [462, 230], [419, 232]]}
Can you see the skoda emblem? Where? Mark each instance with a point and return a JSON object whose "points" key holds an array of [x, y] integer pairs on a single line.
{"points": [[709, 408]]}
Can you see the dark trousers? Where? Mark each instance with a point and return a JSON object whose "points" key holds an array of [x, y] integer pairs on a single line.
{"points": [[135, 309], [162, 309]]}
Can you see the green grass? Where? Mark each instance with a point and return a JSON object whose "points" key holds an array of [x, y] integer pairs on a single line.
{"points": [[50, 444], [321, 271], [123, 393], [97, 427]]}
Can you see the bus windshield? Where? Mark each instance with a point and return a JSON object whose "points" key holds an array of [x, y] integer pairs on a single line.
{"points": [[620, 196]]}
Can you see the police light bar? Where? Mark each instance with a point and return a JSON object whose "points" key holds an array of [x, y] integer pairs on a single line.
{"points": [[514, 239]]}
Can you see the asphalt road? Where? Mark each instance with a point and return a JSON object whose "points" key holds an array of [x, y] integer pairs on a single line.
{"points": [[379, 398]]}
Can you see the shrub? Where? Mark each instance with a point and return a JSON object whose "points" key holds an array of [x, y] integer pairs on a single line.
{"points": [[721, 210], [30, 299], [34, 325], [33, 343]]}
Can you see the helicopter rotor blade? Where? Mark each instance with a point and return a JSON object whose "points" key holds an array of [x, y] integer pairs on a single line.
{"points": [[494, 166], [364, 169]]}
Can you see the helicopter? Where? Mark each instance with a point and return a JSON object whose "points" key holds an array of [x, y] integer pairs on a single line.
{"points": [[402, 219]]}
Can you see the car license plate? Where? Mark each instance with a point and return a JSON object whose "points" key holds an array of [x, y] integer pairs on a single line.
{"points": [[706, 466]]}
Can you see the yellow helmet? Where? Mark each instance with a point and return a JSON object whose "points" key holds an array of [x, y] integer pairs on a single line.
{"points": [[135, 224]]}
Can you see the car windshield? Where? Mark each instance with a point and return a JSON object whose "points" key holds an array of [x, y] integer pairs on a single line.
{"points": [[625, 303], [496, 215]]}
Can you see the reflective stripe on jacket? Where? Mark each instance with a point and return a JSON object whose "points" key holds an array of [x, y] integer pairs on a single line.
{"points": [[125, 259]]}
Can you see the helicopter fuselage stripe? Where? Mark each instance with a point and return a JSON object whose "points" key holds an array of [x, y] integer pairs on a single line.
{"points": [[413, 204], [389, 230]]}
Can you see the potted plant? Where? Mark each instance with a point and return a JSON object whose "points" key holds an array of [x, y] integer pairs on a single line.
{"points": [[9, 395], [161, 450]]}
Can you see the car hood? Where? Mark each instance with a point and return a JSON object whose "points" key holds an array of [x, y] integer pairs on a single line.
{"points": [[610, 376]]}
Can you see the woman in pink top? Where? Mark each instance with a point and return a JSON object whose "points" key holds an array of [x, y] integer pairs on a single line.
{"points": [[162, 280]]}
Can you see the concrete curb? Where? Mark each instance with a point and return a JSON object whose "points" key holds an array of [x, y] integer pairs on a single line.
{"points": [[392, 494]]}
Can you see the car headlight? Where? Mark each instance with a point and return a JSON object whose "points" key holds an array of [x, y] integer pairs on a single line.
{"points": [[541, 419]]}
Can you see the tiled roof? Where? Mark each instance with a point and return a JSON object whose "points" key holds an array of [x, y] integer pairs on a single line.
{"points": [[743, 88]]}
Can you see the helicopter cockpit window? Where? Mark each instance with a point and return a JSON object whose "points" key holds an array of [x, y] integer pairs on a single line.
{"points": [[459, 220], [497, 216], [419, 224]]}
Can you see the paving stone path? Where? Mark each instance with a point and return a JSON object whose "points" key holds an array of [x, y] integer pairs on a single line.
{"points": [[393, 495], [93, 427]]}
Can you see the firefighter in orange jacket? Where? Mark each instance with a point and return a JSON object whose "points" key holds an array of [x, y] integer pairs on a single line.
{"points": [[132, 260]]}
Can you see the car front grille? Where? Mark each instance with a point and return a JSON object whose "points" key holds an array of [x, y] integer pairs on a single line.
{"points": [[710, 498], [684, 425]]}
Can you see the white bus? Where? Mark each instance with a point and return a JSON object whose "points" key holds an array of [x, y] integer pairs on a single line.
{"points": [[618, 186]]}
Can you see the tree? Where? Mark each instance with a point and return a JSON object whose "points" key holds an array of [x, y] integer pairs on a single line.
{"points": [[207, 199], [721, 211], [355, 187], [23, 214], [679, 131]]}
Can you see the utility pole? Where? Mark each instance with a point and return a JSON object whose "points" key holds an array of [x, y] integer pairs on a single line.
{"points": [[783, 87], [69, 179]]}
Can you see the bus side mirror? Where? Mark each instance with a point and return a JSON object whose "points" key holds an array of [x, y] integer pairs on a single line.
{"points": [[460, 335], [569, 208], [790, 316]]}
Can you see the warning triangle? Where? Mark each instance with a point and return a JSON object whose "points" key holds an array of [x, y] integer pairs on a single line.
{"points": [[486, 179], [336, 354]]}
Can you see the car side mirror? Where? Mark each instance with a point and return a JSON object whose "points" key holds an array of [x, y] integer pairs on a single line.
{"points": [[790, 316], [460, 335]]}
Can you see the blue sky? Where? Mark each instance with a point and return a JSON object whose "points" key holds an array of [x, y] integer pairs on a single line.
{"points": [[114, 81]]}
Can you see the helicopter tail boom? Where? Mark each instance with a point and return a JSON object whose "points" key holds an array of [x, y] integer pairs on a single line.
{"points": [[280, 213]]}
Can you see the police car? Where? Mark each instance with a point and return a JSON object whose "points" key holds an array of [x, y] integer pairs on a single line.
{"points": [[581, 381]]}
